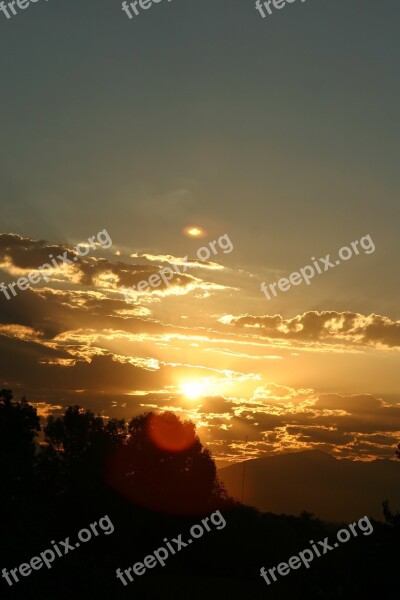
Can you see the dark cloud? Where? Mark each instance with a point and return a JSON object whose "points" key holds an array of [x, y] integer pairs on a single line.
{"points": [[26, 253], [356, 403], [319, 434], [325, 326]]}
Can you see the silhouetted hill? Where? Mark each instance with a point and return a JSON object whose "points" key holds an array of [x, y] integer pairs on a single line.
{"points": [[334, 490]]}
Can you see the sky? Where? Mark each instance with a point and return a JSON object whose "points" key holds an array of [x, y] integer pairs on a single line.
{"points": [[279, 133]]}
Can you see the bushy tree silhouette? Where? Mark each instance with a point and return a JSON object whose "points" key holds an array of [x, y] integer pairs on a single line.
{"points": [[80, 433], [19, 425], [164, 467], [78, 444]]}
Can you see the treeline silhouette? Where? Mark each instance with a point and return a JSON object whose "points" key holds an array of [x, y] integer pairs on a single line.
{"points": [[154, 479]]}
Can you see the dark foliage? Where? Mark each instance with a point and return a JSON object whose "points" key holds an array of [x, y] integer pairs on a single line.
{"points": [[154, 480]]}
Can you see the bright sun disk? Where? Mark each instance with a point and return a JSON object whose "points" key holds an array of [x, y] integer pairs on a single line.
{"points": [[192, 389]]}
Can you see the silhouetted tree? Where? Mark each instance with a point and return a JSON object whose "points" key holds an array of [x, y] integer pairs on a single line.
{"points": [[78, 445], [165, 467], [19, 425], [80, 433]]}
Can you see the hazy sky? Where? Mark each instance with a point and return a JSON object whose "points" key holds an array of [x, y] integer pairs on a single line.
{"points": [[280, 132]]}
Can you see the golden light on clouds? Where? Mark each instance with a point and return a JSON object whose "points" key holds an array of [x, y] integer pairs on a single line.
{"points": [[194, 231]]}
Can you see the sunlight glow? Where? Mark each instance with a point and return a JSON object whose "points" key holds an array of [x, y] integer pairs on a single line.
{"points": [[193, 231], [192, 389]]}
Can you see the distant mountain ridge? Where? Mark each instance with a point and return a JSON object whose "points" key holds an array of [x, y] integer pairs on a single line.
{"points": [[311, 480]]}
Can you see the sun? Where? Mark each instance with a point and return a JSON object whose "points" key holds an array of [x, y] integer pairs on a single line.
{"points": [[194, 231], [192, 389]]}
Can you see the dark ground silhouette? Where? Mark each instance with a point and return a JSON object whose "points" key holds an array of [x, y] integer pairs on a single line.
{"points": [[154, 480]]}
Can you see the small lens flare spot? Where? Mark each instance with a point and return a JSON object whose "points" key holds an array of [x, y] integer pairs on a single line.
{"points": [[194, 231]]}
